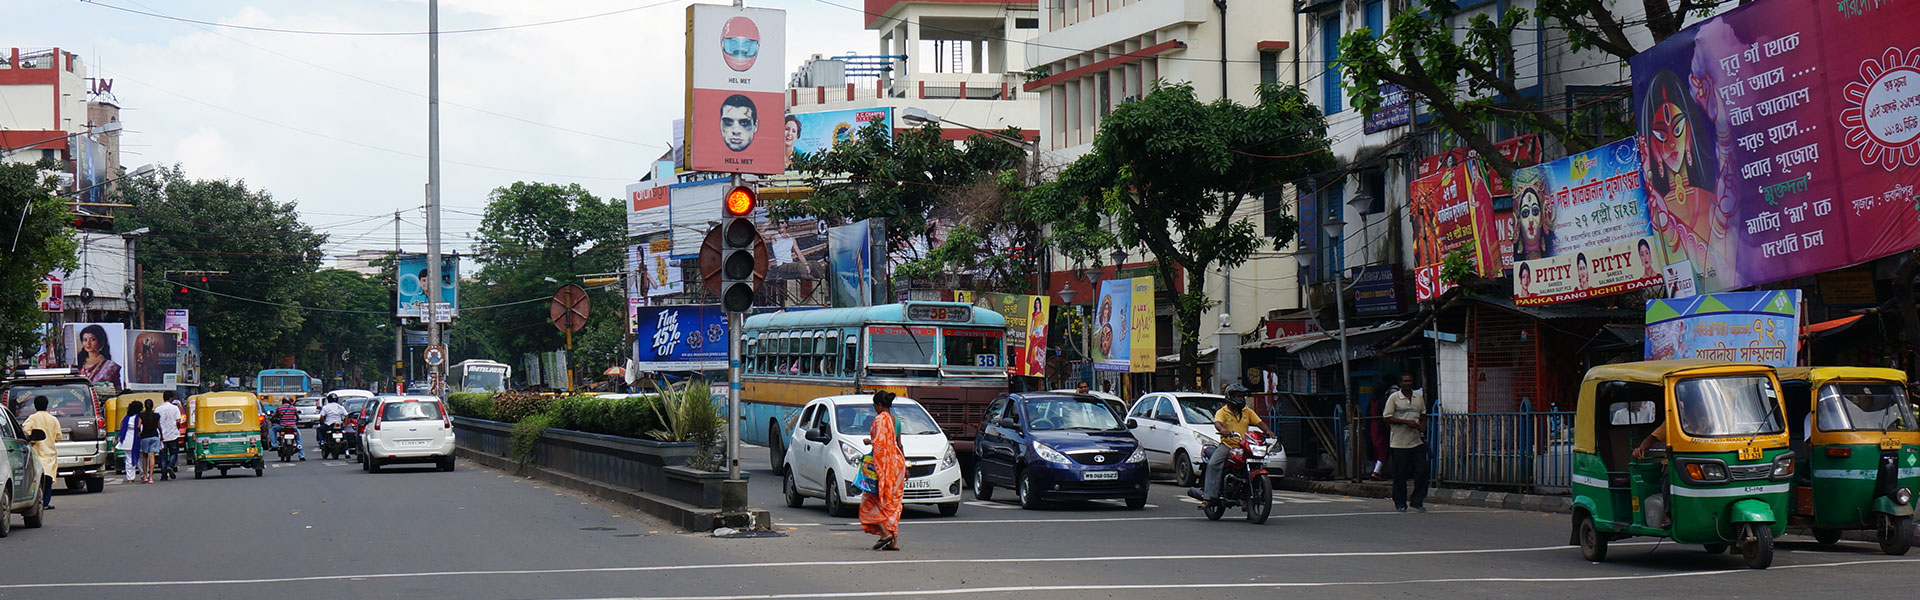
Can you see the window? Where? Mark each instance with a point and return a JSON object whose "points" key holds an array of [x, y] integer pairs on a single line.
{"points": [[994, 410], [902, 345], [283, 383], [1142, 409], [1333, 203], [1375, 14], [1373, 182], [1200, 409], [70, 400], [1330, 76], [1864, 407], [973, 347], [1071, 413], [857, 419], [228, 417], [1269, 68], [1728, 406], [410, 411], [850, 356], [1023, 23]]}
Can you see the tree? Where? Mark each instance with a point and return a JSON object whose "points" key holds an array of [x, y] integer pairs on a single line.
{"points": [[1469, 83], [533, 232], [1173, 174], [346, 325], [38, 240], [248, 316]]}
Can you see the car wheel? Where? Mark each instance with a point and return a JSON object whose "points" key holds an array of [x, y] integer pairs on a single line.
{"points": [[199, 470], [373, 465], [1029, 497], [96, 485], [446, 464], [982, 490], [366, 463], [1826, 537], [6, 518], [1896, 534], [1259, 500], [1182, 469], [223, 471], [1137, 503], [74, 484], [34, 515], [836, 506], [788, 490], [948, 509], [259, 470]]}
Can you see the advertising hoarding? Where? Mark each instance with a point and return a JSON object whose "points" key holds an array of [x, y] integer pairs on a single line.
{"points": [[1143, 355], [156, 360], [1452, 210], [98, 350], [812, 132], [1582, 228], [412, 290], [1523, 150], [1112, 326], [850, 252], [680, 338], [1026, 330], [1761, 327], [1780, 139], [177, 322], [736, 61], [51, 296]]}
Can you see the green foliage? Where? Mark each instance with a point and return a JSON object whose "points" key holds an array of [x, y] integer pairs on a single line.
{"points": [[530, 232], [360, 335], [38, 241], [512, 406], [689, 415], [222, 225], [630, 417], [1459, 266], [471, 405], [526, 437]]}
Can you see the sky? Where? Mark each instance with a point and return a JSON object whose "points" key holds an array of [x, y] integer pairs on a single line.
{"points": [[338, 123]]}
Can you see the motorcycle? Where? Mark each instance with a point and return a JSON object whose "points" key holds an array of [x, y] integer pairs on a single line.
{"points": [[352, 430], [333, 442], [1244, 480], [289, 444]]}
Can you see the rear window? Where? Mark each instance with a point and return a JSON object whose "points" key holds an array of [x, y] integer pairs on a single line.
{"points": [[307, 402], [229, 417], [73, 401], [410, 411]]}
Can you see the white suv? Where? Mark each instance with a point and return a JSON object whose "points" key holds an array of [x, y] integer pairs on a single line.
{"points": [[825, 447], [408, 429]]}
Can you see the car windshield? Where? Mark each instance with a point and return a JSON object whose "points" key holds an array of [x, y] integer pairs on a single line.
{"points": [[225, 416], [69, 401], [972, 347], [1071, 414], [411, 410], [1728, 406], [1199, 410], [857, 419], [1874, 406], [902, 345]]}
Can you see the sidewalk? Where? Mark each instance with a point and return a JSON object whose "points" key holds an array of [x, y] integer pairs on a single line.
{"points": [[1437, 495]]}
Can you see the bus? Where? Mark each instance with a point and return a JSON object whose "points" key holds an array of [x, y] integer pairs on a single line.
{"points": [[478, 375], [948, 356], [272, 385]]}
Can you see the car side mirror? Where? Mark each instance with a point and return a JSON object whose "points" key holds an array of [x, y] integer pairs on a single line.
{"points": [[818, 434], [1132, 424], [1009, 423], [37, 435]]}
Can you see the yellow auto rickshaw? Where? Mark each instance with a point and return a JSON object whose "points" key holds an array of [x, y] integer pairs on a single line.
{"points": [[1722, 477], [117, 410], [1859, 450], [226, 433]]}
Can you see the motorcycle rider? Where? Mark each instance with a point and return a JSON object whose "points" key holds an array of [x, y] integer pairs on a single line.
{"points": [[331, 417], [289, 419], [1231, 422]]}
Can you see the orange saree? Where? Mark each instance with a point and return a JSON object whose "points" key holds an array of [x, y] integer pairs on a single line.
{"points": [[880, 511]]}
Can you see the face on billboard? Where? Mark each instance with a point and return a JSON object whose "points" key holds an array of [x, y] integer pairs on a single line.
{"points": [[740, 42], [739, 121]]}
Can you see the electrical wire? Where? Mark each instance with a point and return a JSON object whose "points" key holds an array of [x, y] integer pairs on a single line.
{"points": [[374, 33]]}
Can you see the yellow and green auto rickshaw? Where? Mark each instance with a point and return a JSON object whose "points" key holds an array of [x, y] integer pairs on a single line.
{"points": [[1859, 452], [117, 409], [226, 433], [1722, 478]]}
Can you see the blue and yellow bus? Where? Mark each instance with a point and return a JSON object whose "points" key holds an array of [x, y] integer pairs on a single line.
{"points": [[272, 385], [951, 357]]}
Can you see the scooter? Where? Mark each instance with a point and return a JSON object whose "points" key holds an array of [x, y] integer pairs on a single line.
{"points": [[333, 442], [1244, 481], [289, 444]]}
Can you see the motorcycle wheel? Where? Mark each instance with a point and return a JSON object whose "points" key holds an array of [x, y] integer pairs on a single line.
{"points": [[1259, 501], [1215, 509]]}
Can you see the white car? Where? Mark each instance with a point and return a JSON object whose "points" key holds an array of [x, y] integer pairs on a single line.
{"points": [[407, 429], [1174, 427], [826, 444]]}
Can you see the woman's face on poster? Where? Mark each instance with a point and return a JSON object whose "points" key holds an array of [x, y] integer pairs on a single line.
{"points": [[1671, 135], [90, 343]]}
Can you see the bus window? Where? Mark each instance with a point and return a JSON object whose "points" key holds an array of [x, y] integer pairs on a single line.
{"points": [[972, 347], [902, 345], [822, 349], [850, 356]]}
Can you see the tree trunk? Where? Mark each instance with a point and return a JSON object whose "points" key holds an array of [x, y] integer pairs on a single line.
{"points": [[1188, 308]]}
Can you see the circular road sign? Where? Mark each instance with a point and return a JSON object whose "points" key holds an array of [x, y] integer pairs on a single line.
{"points": [[436, 355]]}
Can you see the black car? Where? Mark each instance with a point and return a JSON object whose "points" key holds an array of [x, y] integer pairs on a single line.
{"points": [[1051, 445]]}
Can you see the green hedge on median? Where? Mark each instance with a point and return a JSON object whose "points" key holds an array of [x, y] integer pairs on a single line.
{"points": [[630, 417]]}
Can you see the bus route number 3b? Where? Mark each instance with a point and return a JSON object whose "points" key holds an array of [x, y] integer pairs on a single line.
{"points": [[986, 360]]}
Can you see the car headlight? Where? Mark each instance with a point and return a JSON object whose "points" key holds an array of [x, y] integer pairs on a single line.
{"points": [[851, 453], [950, 460], [1139, 455], [1049, 454]]}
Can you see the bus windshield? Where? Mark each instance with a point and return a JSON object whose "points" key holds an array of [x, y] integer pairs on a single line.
{"points": [[484, 379], [1728, 406], [270, 384], [902, 345], [1864, 407], [972, 347]]}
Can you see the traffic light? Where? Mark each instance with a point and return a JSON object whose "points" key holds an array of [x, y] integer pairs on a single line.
{"points": [[739, 243]]}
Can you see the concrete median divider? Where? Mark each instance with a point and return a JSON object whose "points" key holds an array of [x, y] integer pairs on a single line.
{"points": [[647, 475]]}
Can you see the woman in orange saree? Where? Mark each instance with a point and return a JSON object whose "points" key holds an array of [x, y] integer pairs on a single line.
{"points": [[880, 510]]}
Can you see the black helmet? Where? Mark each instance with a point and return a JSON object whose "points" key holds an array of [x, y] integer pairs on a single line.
{"points": [[1236, 394]]}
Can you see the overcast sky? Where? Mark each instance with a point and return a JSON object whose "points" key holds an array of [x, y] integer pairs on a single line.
{"points": [[338, 123]]}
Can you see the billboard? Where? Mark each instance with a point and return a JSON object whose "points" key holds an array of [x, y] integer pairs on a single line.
{"points": [[1762, 327], [1780, 139], [51, 297], [736, 61], [156, 360], [680, 338], [190, 358], [1452, 210], [98, 350], [1026, 330], [850, 254], [1523, 150], [177, 322], [412, 299], [1112, 326], [1143, 357], [812, 132], [1582, 228]]}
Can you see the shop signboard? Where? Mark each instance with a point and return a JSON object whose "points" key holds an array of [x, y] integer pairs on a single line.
{"points": [[1582, 228], [1452, 211], [1376, 291], [1757, 327]]}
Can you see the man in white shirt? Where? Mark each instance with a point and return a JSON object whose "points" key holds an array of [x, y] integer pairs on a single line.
{"points": [[1405, 413], [170, 425]]}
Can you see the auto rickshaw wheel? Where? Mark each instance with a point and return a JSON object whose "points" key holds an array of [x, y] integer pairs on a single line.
{"points": [[1896, 534], [199, 469], [1826, 537], [1756, 544], [223, 471], [1593, 543]]}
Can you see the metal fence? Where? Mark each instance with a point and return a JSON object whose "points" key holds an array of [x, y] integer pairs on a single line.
{"points": [[1529, 450]]}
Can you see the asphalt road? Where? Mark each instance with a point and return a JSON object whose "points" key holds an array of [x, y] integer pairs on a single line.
{"points": [[325, 529]]}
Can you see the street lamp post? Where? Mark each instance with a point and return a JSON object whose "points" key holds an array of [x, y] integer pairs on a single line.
{"points": [[1334, 227]]}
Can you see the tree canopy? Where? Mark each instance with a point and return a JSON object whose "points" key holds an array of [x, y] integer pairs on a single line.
{"points": [[534, 238], [38, 232]]}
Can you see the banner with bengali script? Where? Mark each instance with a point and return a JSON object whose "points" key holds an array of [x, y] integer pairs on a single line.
{"points": [[1523, 150], [1452, 209], [1582, 228], [1144, 357], [1781, 139], [1760, 327]]}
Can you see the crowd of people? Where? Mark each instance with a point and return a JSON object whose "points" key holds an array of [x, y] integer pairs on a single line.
{"points": [[151, 438]]}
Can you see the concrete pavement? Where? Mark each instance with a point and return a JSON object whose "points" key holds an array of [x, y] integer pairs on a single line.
{"points": [[327, 529]]}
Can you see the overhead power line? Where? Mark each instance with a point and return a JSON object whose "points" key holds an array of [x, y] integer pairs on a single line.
{"points": [[374, 33]]}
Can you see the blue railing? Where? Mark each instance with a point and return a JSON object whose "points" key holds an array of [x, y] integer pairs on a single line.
{"points": [[1530, 450]]}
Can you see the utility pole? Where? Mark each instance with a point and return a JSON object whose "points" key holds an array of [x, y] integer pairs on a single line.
{"points": [[433, 182], [399, 324]]}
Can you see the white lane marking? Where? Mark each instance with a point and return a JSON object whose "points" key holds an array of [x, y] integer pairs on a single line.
{"points": [[1246, 585], [990, 504], [279, 465], [821, 563], [1312, 498], [1382, 513]]}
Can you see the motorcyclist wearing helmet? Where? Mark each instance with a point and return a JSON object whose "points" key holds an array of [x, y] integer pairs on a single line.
{"points": [[1231, 422]]}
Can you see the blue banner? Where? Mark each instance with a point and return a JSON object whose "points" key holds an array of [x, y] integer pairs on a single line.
{"points": [[412, 292], [681, 338], [1756, 327]]}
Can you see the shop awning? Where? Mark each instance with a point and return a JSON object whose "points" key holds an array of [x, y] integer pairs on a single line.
{"points": [[1549, 312], [1295, 343], [1206, 355], [1826, 328], [1322, 348]]}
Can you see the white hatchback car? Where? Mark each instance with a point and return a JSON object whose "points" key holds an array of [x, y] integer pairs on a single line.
{"points": [[826, 444], [408, 429], [1174, 427]]}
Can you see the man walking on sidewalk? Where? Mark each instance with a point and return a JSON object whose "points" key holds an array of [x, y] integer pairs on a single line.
{"points": [[1405, 413]]}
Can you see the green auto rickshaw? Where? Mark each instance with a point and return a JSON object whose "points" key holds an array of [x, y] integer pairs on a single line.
{"points": [[1722, 478], [1859, 452], [226, 433]]}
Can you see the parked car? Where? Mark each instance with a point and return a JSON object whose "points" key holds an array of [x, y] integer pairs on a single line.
{"points": [[1173, 427], [1048, 445], [86, 451], [824, 451], [309, 408], [21, 473], [408, 429], [1119, 406]]}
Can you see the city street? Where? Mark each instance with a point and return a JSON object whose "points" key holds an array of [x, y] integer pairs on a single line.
{"points": [[325, 528]]}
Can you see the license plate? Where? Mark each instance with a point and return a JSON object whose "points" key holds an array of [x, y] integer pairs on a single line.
{"points": [[412, 442], [918, 484], [1889, 444], [1750, 453], [1100, 476]]}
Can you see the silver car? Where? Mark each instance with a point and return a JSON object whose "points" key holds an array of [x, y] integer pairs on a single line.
{"points": [[309, 408]]}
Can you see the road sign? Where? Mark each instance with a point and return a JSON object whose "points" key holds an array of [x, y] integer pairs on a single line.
{"points": [[568, 311], [436, 355]]}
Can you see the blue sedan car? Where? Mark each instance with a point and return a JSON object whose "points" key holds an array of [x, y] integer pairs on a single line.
{"points": [[1058, 446]]}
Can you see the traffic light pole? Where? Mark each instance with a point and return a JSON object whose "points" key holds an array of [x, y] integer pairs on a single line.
{"points": [[733, 395]]}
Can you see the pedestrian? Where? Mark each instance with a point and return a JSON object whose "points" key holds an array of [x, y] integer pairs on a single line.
{"points": [[128, 442], [149, 440], [1405, 413], [170, 421], [43, 429], [880, 510]]}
